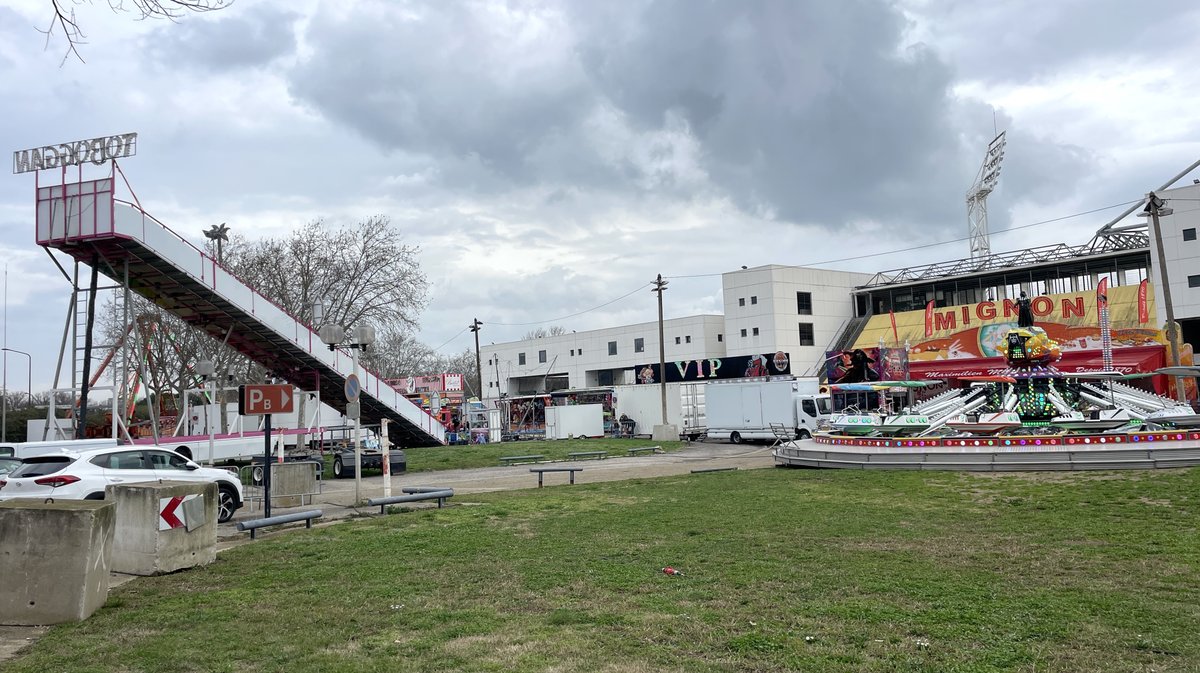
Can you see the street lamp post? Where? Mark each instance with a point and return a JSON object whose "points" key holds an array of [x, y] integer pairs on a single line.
{"points": [[361, 337], [28, 388], [1154, 209], [206, 368]]}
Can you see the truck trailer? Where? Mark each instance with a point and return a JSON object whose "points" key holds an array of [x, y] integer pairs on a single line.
{"points": [[746, 410]]}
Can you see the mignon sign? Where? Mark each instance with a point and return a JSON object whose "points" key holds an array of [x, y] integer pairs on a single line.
{"points": [[95, 151]]}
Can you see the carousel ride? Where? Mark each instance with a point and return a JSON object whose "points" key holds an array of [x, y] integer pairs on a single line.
{"points": [[1028, 416]]}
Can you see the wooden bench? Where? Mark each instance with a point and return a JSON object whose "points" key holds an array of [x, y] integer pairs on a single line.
{"points": [[644, 449], [542, 470], [440, 495], [598, 455], [513, 460], [255, 524]]}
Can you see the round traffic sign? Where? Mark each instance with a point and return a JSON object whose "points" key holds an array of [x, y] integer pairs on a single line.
{"points": [[353, 388]]}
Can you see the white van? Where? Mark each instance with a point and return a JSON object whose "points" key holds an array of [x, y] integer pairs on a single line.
{"points": [[27, 449]]}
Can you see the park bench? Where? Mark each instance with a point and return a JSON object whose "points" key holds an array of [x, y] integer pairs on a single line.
{"points": [[542, 470], [254, 524], [415, 496], [513, 460], [598, 455], [644, 449]]}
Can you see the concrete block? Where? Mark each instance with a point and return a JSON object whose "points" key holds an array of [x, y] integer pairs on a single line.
{"points": [[54, 560], [292, 484], [163, 526], [665, 433]]}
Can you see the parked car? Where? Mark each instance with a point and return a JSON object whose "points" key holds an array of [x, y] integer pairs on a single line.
{"points": [[82, 475], [8, 464]]}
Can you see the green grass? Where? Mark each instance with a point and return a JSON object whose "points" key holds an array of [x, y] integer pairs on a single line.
{"points": [[785, 570]]}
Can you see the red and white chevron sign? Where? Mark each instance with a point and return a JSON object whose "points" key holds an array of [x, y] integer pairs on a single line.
{"points": [[171, 514]]}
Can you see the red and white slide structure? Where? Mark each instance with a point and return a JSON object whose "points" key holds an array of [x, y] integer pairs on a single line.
{"points": [[84, 220]]}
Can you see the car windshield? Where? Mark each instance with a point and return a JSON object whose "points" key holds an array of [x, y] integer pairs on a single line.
{"points": [[8, 464], [40, 466]]}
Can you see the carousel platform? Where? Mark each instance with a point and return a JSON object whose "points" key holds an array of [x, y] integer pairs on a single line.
{"points": [[1008, 453]]}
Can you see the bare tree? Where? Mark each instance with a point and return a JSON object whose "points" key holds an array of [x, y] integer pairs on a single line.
{"points": [[64, 16], [542, 332], [362, 273]]}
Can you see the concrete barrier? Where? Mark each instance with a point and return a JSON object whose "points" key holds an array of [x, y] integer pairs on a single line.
{"points": [[163, 526], [54, 560], [293, 484]]}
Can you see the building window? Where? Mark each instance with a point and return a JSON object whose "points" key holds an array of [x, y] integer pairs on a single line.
{"points": [[753, 301], [687, 339], [755, 331], [581, 351], [676, 341], [612, 348], [741, 301], [541, 356], [743, 333], [489, 362], [804, 303], [1189, 234], [1193, 281], [572, 352], [720, 338], [806, 334], [520, 358], [490, 383], [639, 345]]}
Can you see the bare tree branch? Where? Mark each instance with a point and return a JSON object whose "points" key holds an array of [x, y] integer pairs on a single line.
{"points": [[172, 10]]}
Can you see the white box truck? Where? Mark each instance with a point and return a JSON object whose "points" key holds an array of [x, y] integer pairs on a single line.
{"points": [[744, 410]]}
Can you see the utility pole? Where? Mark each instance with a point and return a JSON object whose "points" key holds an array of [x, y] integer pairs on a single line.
{"points": [[659, 286], [475, 325], [1154, 207]]}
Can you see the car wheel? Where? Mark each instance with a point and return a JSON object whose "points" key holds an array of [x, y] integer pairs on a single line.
{"points": [[803, 434], [227, 504], [256, 475], [736, 438], [185, 452], [339, 470]]}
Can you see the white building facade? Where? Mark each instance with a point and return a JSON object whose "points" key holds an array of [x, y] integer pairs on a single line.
{"points": [[767, 309]]}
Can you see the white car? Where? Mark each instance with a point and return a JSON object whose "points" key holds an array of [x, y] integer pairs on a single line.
{"points": [[82, 475]]}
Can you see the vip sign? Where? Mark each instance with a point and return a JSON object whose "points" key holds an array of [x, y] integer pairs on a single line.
{"points": [[181, 511]]}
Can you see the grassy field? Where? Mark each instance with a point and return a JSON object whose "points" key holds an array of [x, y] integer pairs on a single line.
{"points": [[785, 570]]}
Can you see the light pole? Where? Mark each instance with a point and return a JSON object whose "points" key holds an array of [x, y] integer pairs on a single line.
{"points": [[29, 386], [361, 337], [659, 286], [206, 368], [475, 325], [1154, 209], [218, 233]]}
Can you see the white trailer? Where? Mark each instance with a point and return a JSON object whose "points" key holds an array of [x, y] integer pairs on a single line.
{"points": [[575, 420], [743, 410]]}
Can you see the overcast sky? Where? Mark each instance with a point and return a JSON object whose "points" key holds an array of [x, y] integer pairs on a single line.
{"points": [[550, 157]]}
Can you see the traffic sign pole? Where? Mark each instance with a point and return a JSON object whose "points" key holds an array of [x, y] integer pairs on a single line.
{"points": [[267, 467]]}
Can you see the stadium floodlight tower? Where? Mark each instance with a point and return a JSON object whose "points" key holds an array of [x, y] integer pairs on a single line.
{"points": [[985, 182]]}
